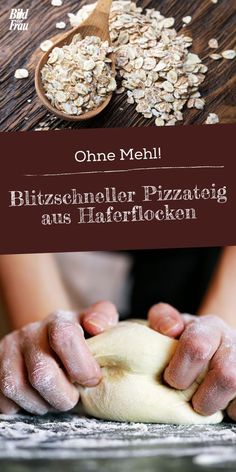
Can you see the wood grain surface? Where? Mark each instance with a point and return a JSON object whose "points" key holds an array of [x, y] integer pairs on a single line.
{"points": [[20, 49]]}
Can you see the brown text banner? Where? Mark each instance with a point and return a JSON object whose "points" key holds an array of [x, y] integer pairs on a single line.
{"points": [[116, 189]]}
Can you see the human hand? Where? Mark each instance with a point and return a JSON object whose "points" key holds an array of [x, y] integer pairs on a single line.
{"points": [[205, 341], [41, 362]]}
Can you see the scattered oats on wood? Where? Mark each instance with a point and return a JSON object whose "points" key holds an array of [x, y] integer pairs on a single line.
{"points": [[78, 77], [45, 128], [153, 61], [21, 74], [212, 119], [213, 43], [187, 20], [214, 1], [56, 3], [215, 57], [195, 102], [159, 122], [61, 25], [46, 125], [46, 45], [229, 54]]}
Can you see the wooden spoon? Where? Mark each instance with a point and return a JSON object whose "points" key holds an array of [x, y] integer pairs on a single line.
{"points": [[97, 24]]}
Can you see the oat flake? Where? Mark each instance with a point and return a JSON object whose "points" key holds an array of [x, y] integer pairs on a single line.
{"points": [[46, 45], [56, 3], [213, 43], [229, 54], [215, 57], [187, 20], [21, 74], [212, 119], [60, 25]]}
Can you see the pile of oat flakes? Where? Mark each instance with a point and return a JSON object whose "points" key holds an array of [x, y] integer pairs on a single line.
{"points": [[78, 77], [154, 65]]}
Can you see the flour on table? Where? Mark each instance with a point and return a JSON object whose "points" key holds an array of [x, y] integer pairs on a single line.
{"points": [[70, 436]]}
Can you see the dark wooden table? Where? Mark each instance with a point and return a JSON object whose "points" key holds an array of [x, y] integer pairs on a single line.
{"points": [[19, 49], [56, 443]]}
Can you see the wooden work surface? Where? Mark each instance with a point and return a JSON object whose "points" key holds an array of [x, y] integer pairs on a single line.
{"points": [[19, 49], [56, 443]]}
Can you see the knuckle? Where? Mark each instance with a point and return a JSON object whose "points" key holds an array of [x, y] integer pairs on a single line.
{"points": [[41, 377], [8, 344], [60, 316], [27, 333], [61, 332], [213, 321], [30, 327], [196, 349], [210, 318], [226, 377], [10, 386]]}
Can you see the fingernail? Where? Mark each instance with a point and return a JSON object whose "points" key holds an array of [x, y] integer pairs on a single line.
{"points": [[167, 326], [98, 322], [99, 327], [91, 382]]}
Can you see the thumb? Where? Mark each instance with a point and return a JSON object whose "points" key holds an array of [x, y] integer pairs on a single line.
{"points": [[99, 317], [166, 320]]}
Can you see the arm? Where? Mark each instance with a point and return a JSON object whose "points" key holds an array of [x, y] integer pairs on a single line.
{"points": [[31, 287], [220, 298]]}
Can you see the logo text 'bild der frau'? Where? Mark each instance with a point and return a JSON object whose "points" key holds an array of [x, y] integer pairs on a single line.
{"points": [[18, 19]]}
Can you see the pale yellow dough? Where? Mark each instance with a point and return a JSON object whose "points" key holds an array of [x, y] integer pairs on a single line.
{"points": [[133, 358]]}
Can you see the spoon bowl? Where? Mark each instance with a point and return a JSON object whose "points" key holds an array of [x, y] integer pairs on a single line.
{"points": [[97, 24]]}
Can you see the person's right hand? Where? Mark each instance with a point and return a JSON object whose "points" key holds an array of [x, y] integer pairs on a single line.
{"points": [[41, 362]]}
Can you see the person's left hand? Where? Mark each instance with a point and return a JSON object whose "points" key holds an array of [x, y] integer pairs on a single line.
{"points": [[205, 341]]}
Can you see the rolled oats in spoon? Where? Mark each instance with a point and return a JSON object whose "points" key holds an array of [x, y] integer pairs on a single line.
{"points": [[78, 77]]}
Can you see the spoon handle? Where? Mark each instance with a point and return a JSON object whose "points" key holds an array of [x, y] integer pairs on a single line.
{"points": [[104, 6], [98, 21]]}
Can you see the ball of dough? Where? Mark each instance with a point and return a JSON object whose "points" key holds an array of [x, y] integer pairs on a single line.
{"points": [[133, 357]]}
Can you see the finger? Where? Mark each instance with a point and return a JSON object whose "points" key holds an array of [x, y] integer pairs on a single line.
{"points": [[99, 317], [231, 410], [66, 338], [219, 386], [14, 384], [196, 347], [45, 375], [7, 407], [166, 320]]}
